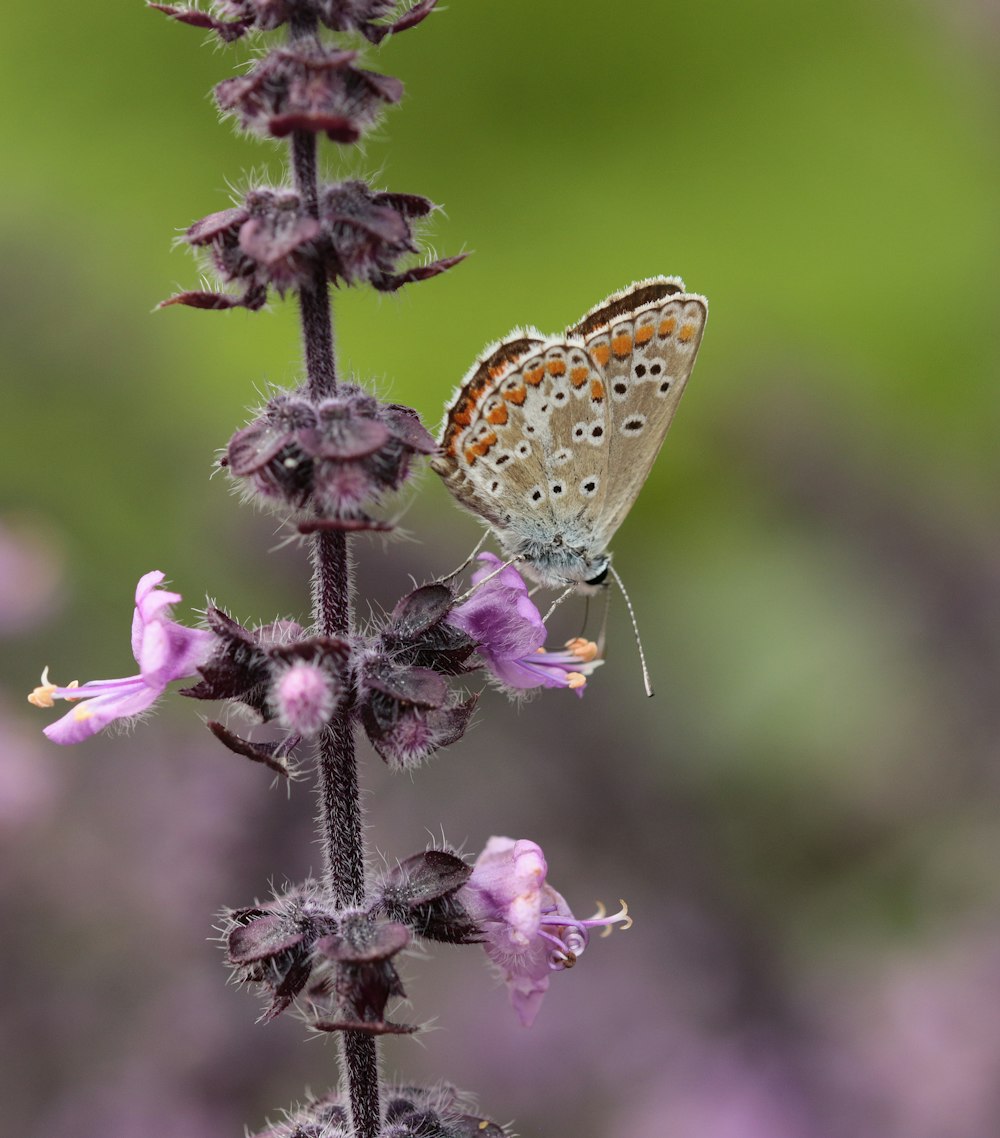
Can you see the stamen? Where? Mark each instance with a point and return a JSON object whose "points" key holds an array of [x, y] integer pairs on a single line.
{"points": [[620, 918], [42, 695], [587, 650], [575, 680]]}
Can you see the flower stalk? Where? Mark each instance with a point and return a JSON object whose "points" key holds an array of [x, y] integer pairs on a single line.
{"points": [[323, 456]]}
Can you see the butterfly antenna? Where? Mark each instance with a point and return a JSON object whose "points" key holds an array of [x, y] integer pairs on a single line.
{"points": [[557, 602], [635, 629]]}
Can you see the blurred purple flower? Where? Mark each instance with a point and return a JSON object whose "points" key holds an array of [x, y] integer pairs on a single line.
{"points": [[501, 617], [164, 651], [528, 929]]}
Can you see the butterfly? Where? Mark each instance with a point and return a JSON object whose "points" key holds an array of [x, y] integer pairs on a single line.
{"points": [[549, 439]]}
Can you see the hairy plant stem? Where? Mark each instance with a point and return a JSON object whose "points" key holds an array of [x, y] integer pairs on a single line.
{"points": [[340, 819]]}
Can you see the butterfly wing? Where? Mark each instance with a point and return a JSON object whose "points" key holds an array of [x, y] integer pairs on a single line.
{"points": [[549, 439], [645, 341], [525, 445]]}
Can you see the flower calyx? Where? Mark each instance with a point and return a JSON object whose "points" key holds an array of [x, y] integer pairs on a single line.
{"points": [[372, 18], [308, 87], [332, 458], [434, 1112], [279, 673], [358, 974], [273, 240], [422, 892], [410, 1112], [272, 944], [409, 712], [301, 945]]}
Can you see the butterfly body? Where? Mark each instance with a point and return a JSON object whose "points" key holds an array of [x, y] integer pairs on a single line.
{"points": [[550, 438]]}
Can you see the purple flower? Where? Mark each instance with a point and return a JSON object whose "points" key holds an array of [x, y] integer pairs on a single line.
{"points": [[164, 651], [501, 617], [528, 929]]}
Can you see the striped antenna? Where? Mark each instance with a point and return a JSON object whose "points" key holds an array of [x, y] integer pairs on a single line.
{"points": [[635, 628]]}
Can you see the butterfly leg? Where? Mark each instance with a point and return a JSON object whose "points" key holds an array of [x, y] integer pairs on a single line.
{"points": [[468, 561]]}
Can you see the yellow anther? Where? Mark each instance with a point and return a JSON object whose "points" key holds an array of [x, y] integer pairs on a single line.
{"points": [[539, 651], [42, 695], [587, 650], [575, 680], [620, 918]]}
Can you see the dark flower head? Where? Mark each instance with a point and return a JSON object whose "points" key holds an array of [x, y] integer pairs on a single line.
{"points": [[308, 87], [408, 713], [529, 931], [280, 674], [410, 1112], [273, 944], [434, 1112], [252, 667], [358, 974], [509, 633], [333, 458], [326, 1117], [419, 633], [421, 892], [272, 240], [242, 16]]}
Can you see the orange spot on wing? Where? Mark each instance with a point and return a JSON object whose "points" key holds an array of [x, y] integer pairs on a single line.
{"points": [[498, 415], [578, 376], [621, 345], [686, 333], [534, 376], [644, 334], [556, 367], [596, 390], [482, 445], [470, 455], [515, 395], [667, 325], [601, 353], [462, 415]]}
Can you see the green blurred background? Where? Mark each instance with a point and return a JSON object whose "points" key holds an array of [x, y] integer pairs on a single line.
{"points": [[814, 561]]}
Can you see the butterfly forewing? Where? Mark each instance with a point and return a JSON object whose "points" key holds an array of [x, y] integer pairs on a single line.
{"points": [[649, 355]]}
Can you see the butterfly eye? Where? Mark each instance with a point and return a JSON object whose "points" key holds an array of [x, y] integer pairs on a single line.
{"points": [[600, 578]]}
